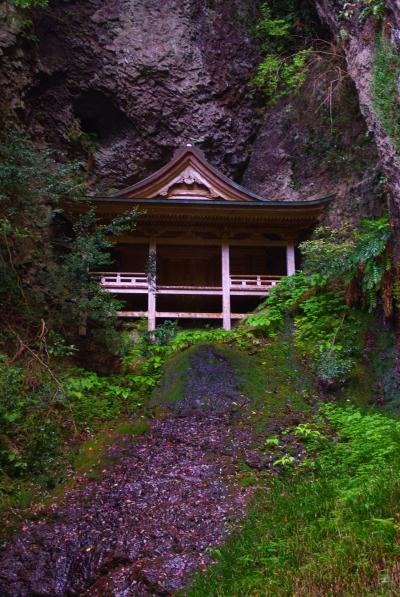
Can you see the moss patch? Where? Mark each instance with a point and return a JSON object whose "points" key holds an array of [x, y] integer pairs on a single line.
{"points": [[385, 88]]}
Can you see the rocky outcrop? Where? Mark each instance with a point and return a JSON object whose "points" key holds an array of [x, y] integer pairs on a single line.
{"points": [[359, 43], [134, 80], [124, 83], [314, 144], [15, 64]]}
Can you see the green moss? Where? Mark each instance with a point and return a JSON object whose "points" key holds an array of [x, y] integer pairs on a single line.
{"points": [[373, 381], [136, 428], [92, 457], [386, 71], [173, 382], [274, 381]]}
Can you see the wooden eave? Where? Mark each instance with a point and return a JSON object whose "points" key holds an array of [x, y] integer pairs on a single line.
{"points": [[302, 214], [190, 191]]}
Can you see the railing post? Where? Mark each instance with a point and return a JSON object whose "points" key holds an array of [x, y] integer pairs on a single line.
{"points": [[226, 287], [290, 259], [152, 286]]}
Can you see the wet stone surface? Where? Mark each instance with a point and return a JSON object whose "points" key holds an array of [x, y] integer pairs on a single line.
{"points": [[211, 384], [146, 525]]}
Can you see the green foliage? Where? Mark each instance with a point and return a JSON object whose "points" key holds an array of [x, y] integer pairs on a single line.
{"points": [[363, 9], [285, 461], [371, 257], [185, 339], [374, 8], [30, 3], [29, 404], [44, 264], [332, 522], [37, 414], [329, 252], [167, 340], [94, 399], [385, 100], [324, 327], [278, 76], [163, 335], [284, 66], [283, 300], [88, 141], [306, 431], [316, 311], [333, 364], [88, 249], [343, 255], [327, 330]]}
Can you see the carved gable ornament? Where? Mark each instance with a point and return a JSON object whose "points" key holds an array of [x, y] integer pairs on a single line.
{"points": [[188, 176], [189, 184]]}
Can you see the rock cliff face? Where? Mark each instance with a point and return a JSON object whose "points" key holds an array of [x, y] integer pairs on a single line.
{"points": [[144, 78], [125, 82], [360, 47]]}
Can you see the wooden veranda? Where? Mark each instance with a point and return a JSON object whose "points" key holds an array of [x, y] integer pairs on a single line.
{"points": [[204, 247]]}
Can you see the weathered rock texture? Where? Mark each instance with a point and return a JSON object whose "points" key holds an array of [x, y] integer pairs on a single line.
{"points": [[15, 65], [359, 48], [313, 143], [144, 78]]}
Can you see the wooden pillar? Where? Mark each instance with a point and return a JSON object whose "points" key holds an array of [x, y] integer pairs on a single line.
{"points": [[152, 281], [226, 287], [290, 259]]}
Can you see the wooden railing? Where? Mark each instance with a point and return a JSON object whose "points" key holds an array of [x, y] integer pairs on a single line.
{"points": [[253, 282], [122, 279], [127, 280]]}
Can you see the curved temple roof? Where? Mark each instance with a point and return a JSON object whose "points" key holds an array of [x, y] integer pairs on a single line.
{"points": [[189, 179]]}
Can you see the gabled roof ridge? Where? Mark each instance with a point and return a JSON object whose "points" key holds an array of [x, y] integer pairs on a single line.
{"points": [[186, 151]]}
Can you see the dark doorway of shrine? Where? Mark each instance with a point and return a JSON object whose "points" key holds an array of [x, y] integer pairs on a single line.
{"points": [[185, 265]]}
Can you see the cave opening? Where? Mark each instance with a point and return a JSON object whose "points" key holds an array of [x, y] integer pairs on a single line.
{"points": [[99, 116]]}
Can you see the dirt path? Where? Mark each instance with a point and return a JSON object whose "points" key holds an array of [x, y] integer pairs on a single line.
{"points": [[147, 524]]}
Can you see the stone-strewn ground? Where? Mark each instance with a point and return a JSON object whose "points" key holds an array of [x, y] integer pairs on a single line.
{"points": [[147, 524]]}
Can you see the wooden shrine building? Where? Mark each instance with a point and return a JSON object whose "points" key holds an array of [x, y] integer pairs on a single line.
{"points": [[204, 247]]}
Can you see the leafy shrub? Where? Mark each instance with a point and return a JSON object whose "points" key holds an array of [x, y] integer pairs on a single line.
{"points": [[26, 4], [37, 414], [29, 420], [333, 365], [344, 254], [327, 331], [278, 76], [44, 264], [284, 66], [329, 252], [163, 334], [282, 300]]}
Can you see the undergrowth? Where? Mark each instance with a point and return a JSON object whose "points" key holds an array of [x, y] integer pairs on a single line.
{"points": [[332, 302], [44, 420], [329, 527]]}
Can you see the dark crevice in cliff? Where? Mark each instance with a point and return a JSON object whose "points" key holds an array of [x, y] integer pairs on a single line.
{"points": [[99, 116]]}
